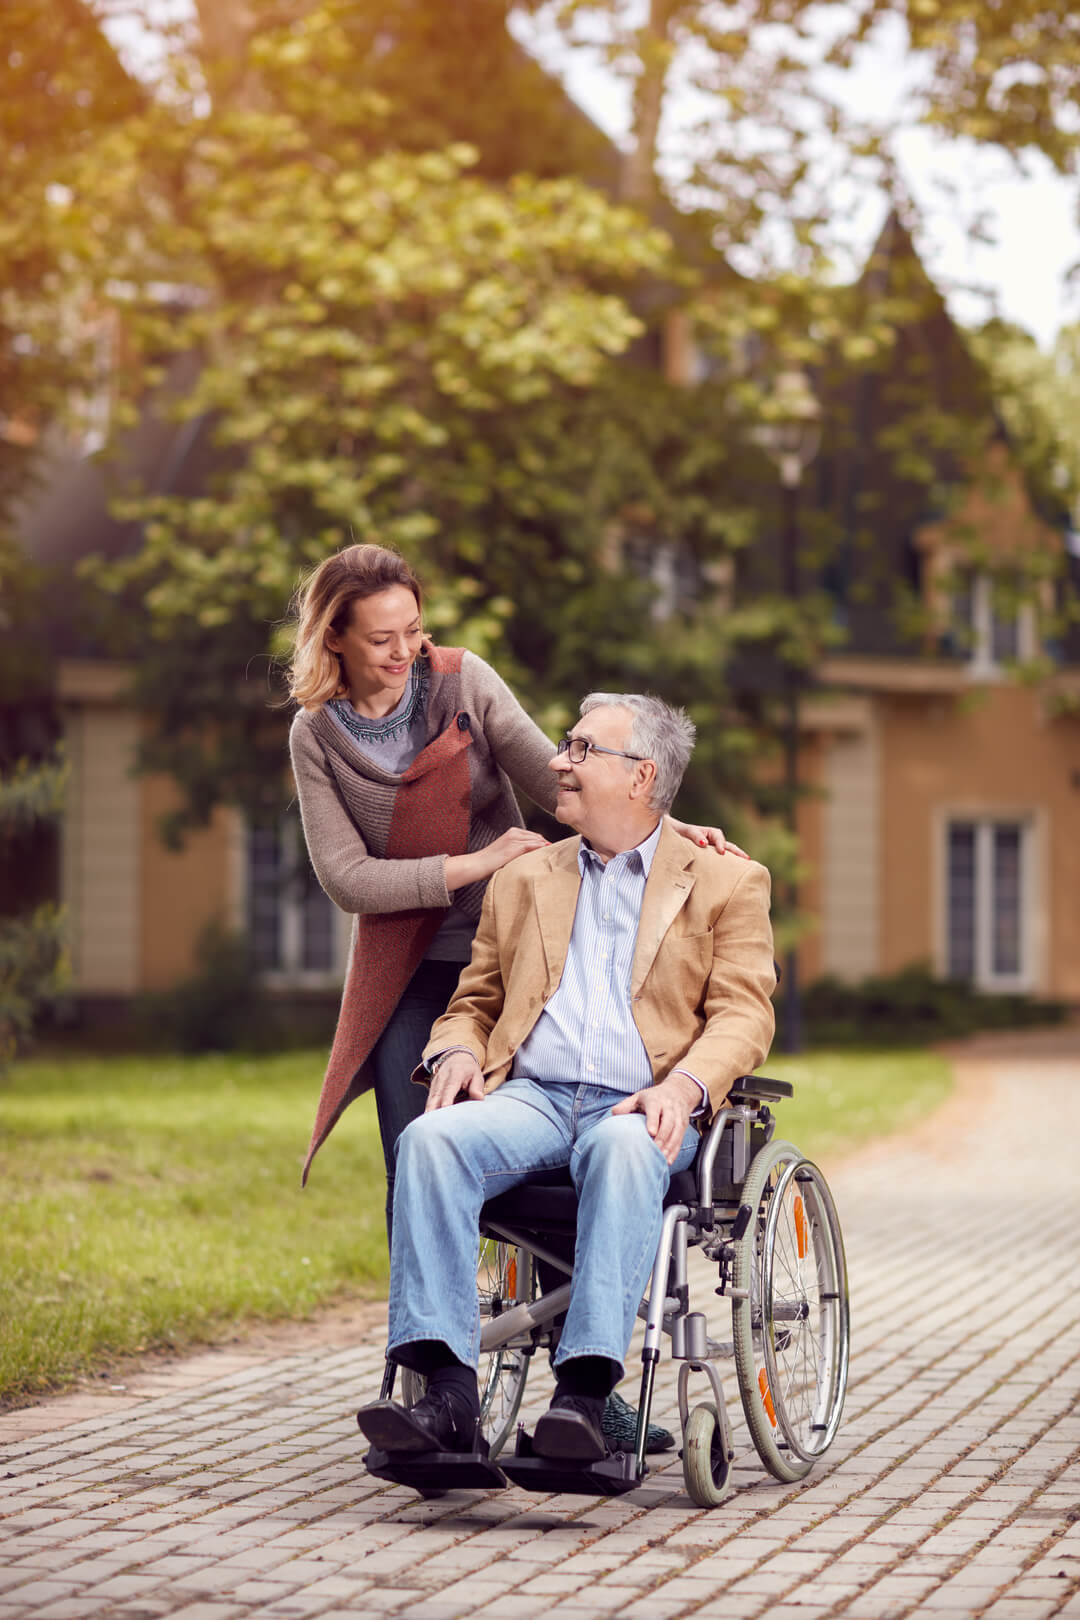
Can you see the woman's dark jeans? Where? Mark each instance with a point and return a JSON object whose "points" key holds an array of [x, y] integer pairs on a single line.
{"points": [[397, 1052]]}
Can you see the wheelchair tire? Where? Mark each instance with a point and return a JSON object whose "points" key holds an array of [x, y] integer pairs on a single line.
{"points": [[791, 1331], [706, 1465], [505, 1275]]}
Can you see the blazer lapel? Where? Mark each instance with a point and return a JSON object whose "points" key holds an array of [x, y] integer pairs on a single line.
{"points": [[555, 895], [666, 892]]}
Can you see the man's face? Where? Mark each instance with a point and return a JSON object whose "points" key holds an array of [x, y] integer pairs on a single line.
{"points": [[596, 793]]}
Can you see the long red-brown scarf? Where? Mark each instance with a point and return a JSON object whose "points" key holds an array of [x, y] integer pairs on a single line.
{"points": [[430, 817]]}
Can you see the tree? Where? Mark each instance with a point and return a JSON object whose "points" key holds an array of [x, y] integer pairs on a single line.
{"points": [[388, 343], [371, 340], [357, 330], [1007, 75], [1038, 396], [61, 85], [757, 162]]}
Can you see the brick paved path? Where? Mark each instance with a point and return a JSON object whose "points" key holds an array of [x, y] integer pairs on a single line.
{"points": [[232, 1485]]}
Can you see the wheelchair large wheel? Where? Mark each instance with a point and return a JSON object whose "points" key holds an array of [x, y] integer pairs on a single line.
{"points": [[505, 1276], [791, 1329]]}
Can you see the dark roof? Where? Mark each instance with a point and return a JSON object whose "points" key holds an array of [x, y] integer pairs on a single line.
{"points": [[67, 516]]}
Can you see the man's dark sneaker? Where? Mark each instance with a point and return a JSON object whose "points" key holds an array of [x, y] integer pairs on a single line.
{"points": [[570, 1430], [619, 1424], [435, 1423]]}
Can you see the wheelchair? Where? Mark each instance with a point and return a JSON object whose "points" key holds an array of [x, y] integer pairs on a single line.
{"points": [[760, 1212]]}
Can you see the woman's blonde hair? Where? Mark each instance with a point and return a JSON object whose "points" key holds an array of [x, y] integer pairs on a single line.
{"points": [[323, 605]]}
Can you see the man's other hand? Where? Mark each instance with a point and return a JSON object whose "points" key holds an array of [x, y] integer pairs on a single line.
{"points": [[667, 1108], [459, 1076]]}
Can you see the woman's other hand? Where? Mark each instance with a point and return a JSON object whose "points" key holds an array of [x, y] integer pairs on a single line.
{"points": [[706, 836]]}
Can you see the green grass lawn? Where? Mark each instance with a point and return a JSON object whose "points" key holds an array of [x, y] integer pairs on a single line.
{"points": [[155, 1202], [844, 1098]]}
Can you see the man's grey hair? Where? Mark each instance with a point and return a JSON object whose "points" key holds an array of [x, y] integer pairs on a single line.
{"points": [[659, 732]]}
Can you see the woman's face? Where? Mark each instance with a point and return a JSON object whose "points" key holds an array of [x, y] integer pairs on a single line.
{"points": [[380, 643]]}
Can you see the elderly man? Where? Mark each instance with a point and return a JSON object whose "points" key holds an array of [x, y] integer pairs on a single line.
{"points": [[620, 982]]}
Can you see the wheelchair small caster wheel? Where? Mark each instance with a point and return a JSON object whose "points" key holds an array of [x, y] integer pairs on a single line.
{"points": [[706, 1465]]}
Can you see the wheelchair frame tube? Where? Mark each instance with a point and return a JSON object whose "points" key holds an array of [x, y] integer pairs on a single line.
{"points": [[530, 1243], [675, 1216], [654, 1319], [523, 1318], [529, 1314], [741, 1115]]}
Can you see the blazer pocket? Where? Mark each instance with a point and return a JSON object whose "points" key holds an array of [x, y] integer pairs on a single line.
{"points": [[687, 947], [683, 964]]}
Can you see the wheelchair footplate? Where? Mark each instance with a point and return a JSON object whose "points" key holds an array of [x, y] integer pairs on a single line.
{"points": [[431, 1471], [610, 1476]]}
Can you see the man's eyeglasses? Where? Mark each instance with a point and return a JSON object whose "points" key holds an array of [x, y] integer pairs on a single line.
{"points": [[578, 747]]}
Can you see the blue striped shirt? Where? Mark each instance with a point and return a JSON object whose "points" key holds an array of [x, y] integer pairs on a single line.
{"points": [[587, 1031]]}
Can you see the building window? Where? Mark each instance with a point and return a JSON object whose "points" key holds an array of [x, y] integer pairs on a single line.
{"points": [[671, 569], [993, 627], [295, 932], [988, 903]]}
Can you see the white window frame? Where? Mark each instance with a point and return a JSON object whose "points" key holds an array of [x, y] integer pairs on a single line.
{"points": [[1031, 974], [661, 571], [982, 665], [291, 975]]}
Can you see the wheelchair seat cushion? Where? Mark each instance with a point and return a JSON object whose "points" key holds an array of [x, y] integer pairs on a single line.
{"points": [[547, 1200]]}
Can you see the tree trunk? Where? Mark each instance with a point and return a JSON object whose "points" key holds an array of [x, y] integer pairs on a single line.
{"points": [[226, 28], [655, 50]]}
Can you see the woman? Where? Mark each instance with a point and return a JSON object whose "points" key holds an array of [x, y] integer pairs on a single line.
{"points": [[403, 754]]}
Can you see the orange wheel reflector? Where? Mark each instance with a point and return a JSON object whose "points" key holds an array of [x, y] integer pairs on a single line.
{"points": [[800, 1227], [766, 1396], [511, 1280]]}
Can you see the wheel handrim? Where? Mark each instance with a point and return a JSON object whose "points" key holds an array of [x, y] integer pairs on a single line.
{"points": [[804, 1326]]}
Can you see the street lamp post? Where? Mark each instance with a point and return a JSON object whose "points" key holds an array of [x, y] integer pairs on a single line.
{"points": [[791, 433]]}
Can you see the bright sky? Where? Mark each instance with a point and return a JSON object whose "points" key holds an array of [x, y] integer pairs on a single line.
{"points": [[1034, 217]]}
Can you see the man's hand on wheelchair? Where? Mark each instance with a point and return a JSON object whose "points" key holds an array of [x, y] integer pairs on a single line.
{"points": [[458, 1076], [667, 1108]]}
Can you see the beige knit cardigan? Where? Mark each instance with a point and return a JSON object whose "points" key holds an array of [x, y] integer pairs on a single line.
{"points": [[347, 804]]}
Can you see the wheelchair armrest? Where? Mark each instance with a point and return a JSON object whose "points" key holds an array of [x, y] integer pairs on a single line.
{"points": [[759, 1088]]}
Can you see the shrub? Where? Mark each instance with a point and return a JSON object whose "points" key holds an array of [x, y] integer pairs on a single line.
{"points": [[33, 959], [221, 1007], [213, 1010], [911, 1008]]}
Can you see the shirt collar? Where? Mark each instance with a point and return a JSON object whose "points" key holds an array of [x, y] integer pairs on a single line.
{"points": [[644, 851]]}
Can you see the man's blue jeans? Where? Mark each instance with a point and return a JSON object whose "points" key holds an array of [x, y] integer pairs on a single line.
{"points": [[453, 1159]]}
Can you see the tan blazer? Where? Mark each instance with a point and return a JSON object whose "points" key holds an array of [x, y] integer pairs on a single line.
{"points": [[702, 976]]}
